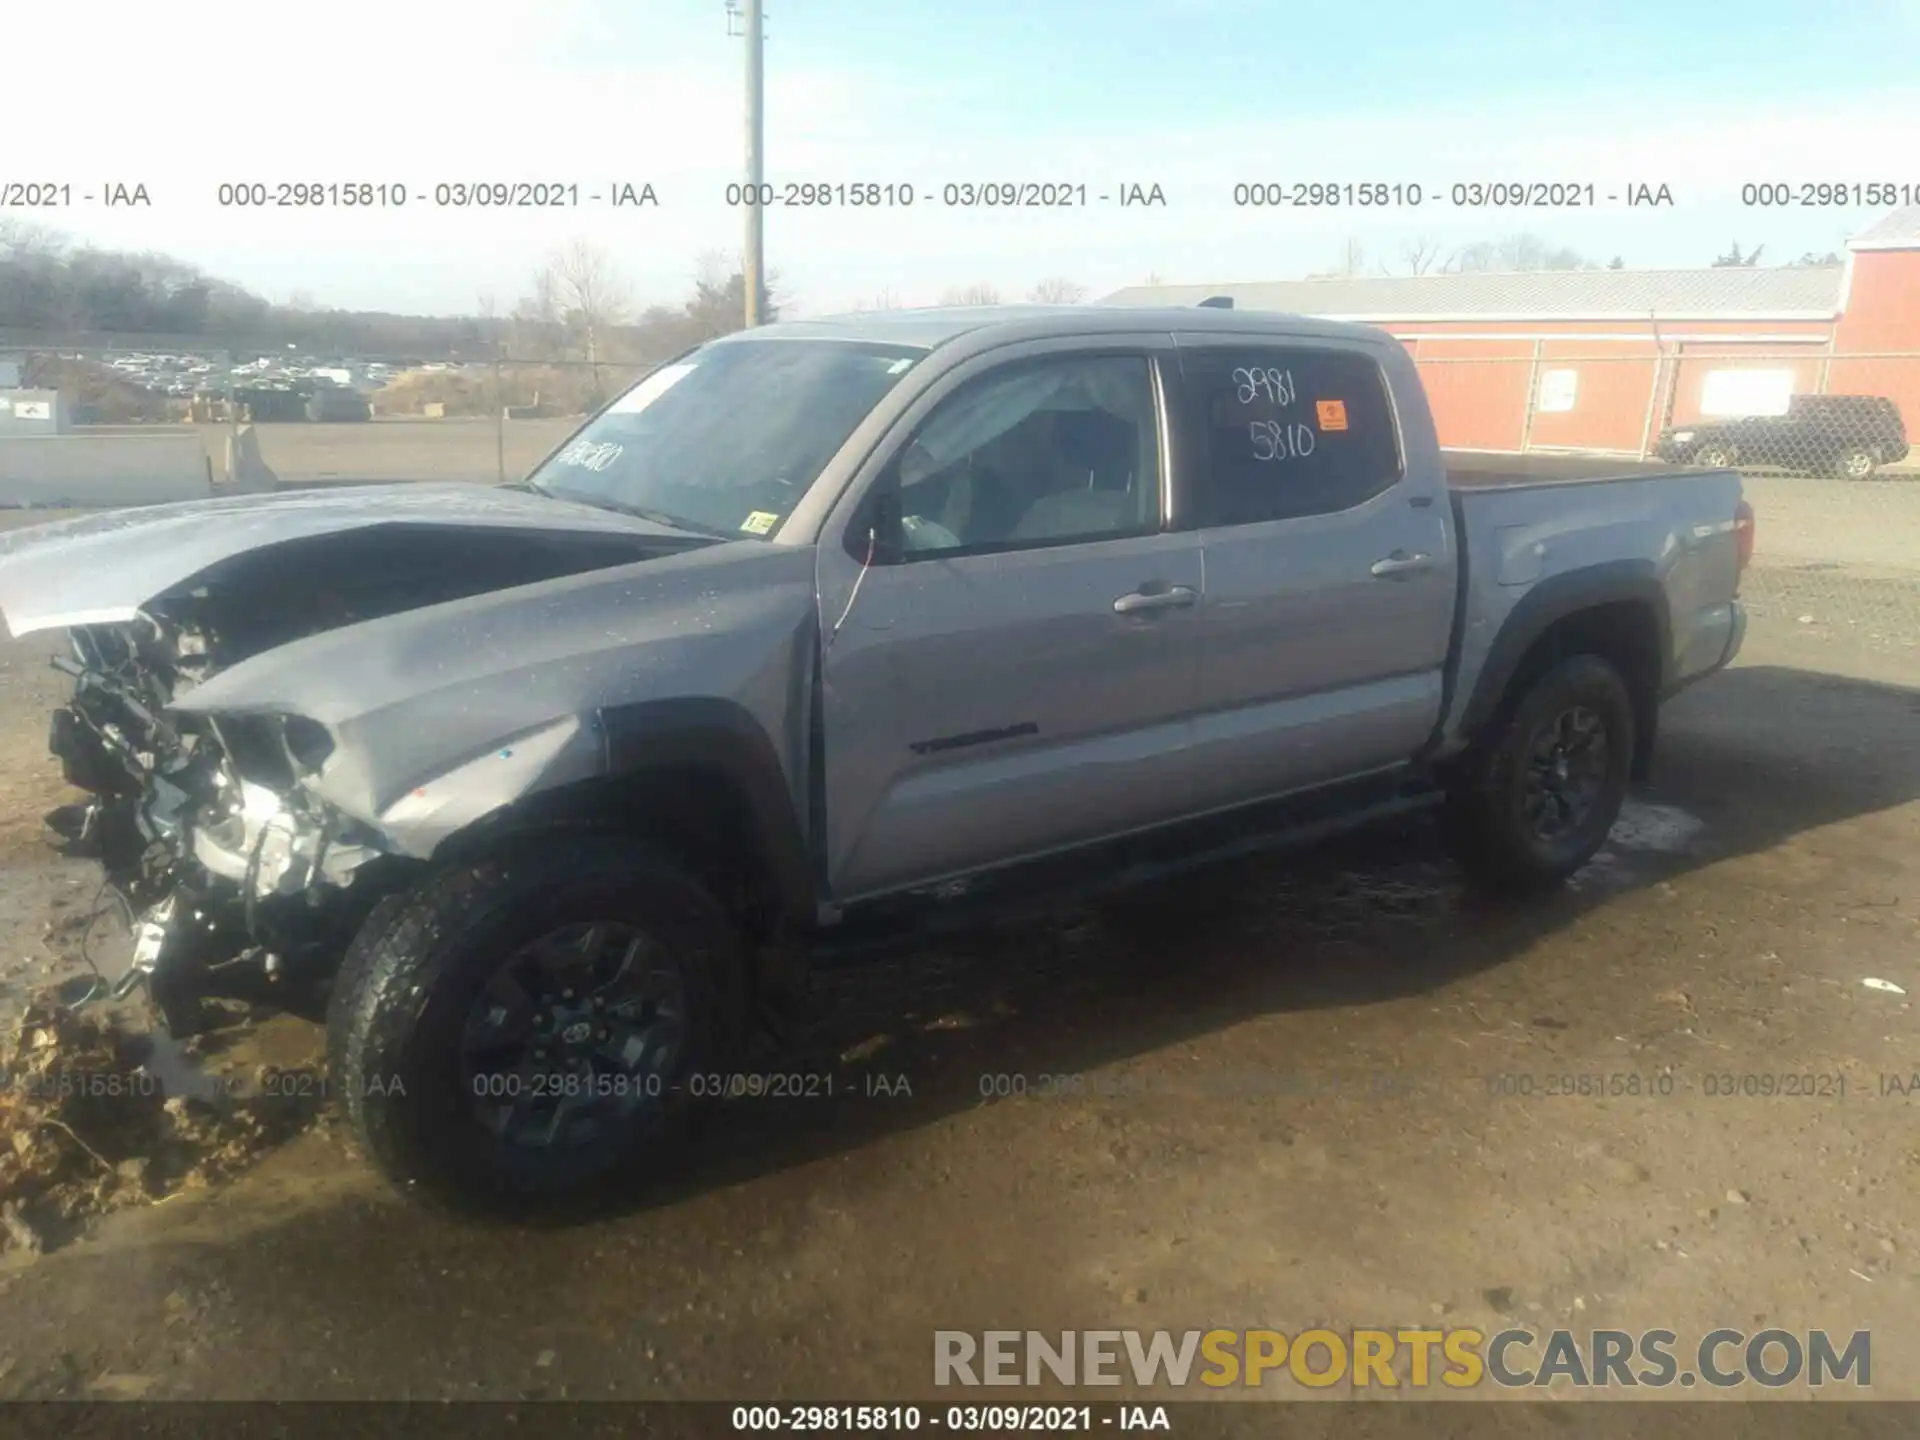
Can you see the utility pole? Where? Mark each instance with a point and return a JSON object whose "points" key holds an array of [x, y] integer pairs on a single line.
{"points": [[753, 263], [754, 267]]}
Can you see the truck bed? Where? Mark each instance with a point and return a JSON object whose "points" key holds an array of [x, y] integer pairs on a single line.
{"points": [[1492, 469], [1523, 521]]}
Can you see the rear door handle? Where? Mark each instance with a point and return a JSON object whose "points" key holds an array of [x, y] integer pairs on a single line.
{"points": [[1174, 597], [1401, 563]]}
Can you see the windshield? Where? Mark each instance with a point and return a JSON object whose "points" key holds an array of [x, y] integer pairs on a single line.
{"points": [[726, 440]]}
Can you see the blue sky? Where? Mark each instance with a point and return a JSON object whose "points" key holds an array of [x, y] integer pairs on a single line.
{"points": [[1193, 95]]}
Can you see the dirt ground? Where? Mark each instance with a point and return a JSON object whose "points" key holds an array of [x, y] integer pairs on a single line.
{"points": [[1287, 1113]]}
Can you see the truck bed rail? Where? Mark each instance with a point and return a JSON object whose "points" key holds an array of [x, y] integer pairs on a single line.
{"points": [[1490, 470]]}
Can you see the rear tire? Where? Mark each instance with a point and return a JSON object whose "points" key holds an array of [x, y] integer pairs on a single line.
{"points": [[1715, 457], [1537, 795], [468, 1079]]}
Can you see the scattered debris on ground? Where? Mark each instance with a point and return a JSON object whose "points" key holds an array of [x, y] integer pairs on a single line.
{"points": [[86, 1127]]}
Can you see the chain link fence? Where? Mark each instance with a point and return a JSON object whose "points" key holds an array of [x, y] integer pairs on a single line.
{"points": [[1821, 439], [327, 420]]}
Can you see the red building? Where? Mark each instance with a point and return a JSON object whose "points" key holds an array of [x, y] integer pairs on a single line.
{"points": [[1604, 359]]}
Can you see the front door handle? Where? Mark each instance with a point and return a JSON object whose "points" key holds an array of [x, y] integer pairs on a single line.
{"points": [[1401, 563], [1174, 597]]}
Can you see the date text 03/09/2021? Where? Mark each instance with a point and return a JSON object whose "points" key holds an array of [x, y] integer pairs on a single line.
{"points": [[1059, 194], [958, 1419], [554, 194]]}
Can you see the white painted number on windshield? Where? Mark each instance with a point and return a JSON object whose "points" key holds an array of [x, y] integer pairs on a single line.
{"points": [[590, 455]]}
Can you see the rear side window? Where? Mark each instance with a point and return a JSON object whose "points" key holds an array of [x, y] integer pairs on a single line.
{"points": [[1291, 431], [1873, 411]]}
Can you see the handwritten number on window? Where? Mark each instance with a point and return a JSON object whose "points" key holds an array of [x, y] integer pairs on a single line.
{"points": [[1273, 440], [1255, 382]]}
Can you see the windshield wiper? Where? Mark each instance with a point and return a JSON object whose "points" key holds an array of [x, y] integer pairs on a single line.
{"points": [[672, 522], [639, 512]]}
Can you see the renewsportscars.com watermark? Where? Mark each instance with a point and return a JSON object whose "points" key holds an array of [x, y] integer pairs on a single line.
{"points": [[1417, 1359]]}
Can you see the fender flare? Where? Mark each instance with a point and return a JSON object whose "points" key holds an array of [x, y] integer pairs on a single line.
{"points": [[1546, 605], [719, 735]]}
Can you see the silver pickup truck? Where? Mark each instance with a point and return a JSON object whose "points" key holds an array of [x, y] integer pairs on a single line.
{"points": [[551, 790]]}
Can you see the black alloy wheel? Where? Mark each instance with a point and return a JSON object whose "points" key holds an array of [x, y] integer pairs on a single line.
{"points": [[516, 1029], [1536, 793], [1566, 773], [576, 1035]]}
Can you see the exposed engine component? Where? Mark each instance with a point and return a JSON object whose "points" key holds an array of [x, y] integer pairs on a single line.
{"points": [[236, 876]]}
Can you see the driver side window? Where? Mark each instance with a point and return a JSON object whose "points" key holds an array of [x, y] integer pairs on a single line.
{"points": [[1044, 452]]}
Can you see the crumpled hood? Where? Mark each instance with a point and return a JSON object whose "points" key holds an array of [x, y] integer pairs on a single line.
{"points": [[99, 569]]}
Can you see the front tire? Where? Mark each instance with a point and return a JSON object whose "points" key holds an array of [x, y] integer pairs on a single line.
{"points": [[1715, 457], [1538, 794], [517, 1030]]}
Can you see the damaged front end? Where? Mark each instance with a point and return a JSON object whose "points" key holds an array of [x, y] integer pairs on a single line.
{"points": [[285, 705], [236, 879]]}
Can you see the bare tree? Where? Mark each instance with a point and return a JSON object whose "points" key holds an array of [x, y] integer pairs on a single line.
{"points": [[1420, 254], [536, 318], [23, 237], [36, 277], [1057, 290], [719, 303], [1516, 252], [979, 294], [487, 310], [885, 300], [1352, 261], [1735, 258], [711, 267], [589, 292], [1153, 278], [542, 303]]}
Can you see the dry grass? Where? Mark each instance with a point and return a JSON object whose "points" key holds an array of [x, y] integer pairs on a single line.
{"points": [[552, 389], [97, 389], [86, 1128]]}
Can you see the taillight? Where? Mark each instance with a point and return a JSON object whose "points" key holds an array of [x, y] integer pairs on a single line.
{"points": [[1743, 534]]}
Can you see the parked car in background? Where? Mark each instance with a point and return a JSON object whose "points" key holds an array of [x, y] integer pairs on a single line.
{"points": [[337, 403], [261, 404], [1849, 436]]}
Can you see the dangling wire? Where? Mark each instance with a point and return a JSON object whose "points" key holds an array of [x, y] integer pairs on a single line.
{"points": [[98, 985], [873, 541]]}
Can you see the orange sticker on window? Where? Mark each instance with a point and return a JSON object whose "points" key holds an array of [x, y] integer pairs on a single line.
{"points": [[1333, 414]]}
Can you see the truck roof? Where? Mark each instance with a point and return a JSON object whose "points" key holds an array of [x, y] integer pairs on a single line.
{"points": [[935, 326]]}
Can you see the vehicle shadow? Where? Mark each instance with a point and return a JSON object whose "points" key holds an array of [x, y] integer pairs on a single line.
{"points": [[1758, 755]]}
